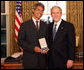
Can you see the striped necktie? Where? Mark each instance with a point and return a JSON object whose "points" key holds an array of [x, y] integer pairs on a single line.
{"points": [[54, 31]]}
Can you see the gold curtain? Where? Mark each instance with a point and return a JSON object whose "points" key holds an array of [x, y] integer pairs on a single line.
{"points": [[27, 7], [75, 16], [26, 12]]}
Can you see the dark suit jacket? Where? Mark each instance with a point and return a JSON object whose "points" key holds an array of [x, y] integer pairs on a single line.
{"points": [[28, 39], [62, 48]]}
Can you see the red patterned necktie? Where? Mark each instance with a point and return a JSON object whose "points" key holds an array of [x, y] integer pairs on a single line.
{"points": [[37, 25]]}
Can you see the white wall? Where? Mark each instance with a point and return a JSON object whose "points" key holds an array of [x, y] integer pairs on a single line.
{"points": [[49, 4]]}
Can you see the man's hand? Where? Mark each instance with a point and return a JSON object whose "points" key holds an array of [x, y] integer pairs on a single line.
{"points": [[69, 64], [37, 49]]}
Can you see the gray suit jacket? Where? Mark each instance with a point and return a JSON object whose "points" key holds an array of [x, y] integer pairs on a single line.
{"points": [[28, 39]]}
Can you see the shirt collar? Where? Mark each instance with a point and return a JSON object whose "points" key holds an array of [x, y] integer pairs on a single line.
{"points": [[35, 20], [58, 23]]}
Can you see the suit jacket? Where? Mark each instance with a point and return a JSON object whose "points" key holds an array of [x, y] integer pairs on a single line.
{"points": [[62, 48], [28, 38]]}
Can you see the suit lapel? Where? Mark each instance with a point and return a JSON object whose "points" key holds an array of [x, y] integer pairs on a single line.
{"points": [[33, 25], [60, 29], [40, 27], [51, 30]]}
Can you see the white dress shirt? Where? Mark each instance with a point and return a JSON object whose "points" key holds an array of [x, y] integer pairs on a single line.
{"points": [[58, 24], [35, 22]]}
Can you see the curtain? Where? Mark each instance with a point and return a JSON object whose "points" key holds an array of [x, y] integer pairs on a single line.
{"points": [[26, 12], [75, 16]]}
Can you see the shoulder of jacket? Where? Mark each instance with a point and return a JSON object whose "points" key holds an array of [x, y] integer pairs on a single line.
{"points": [[43, 22], [26, 22], [66, 22]]}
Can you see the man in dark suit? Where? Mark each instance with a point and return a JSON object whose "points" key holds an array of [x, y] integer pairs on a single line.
{"points": [[29, 34], [61, 41]]}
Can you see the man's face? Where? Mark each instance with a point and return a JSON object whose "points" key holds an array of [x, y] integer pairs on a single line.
{"points": [[38, 12], [56, 14]]}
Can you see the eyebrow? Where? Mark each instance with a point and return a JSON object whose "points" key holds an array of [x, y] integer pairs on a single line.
{"points": [[39, 9]]}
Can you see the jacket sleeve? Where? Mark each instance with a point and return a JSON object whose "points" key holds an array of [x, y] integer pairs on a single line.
{"points": [[71, 42], [22, 40]]}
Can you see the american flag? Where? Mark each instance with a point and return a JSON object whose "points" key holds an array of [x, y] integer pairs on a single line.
{"points": [[18, 18]]}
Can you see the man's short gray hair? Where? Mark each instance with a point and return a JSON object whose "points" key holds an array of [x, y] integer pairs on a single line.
{"points": [[56, 7]]}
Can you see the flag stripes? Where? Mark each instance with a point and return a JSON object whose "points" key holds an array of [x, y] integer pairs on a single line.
{"points": [[18, 18]]}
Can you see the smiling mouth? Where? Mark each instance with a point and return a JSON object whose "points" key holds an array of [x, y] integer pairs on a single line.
{"points": [[39, 15], [56, 16]]}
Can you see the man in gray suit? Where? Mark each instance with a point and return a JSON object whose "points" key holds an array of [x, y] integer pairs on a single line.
{"points": [[29, 33]]}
